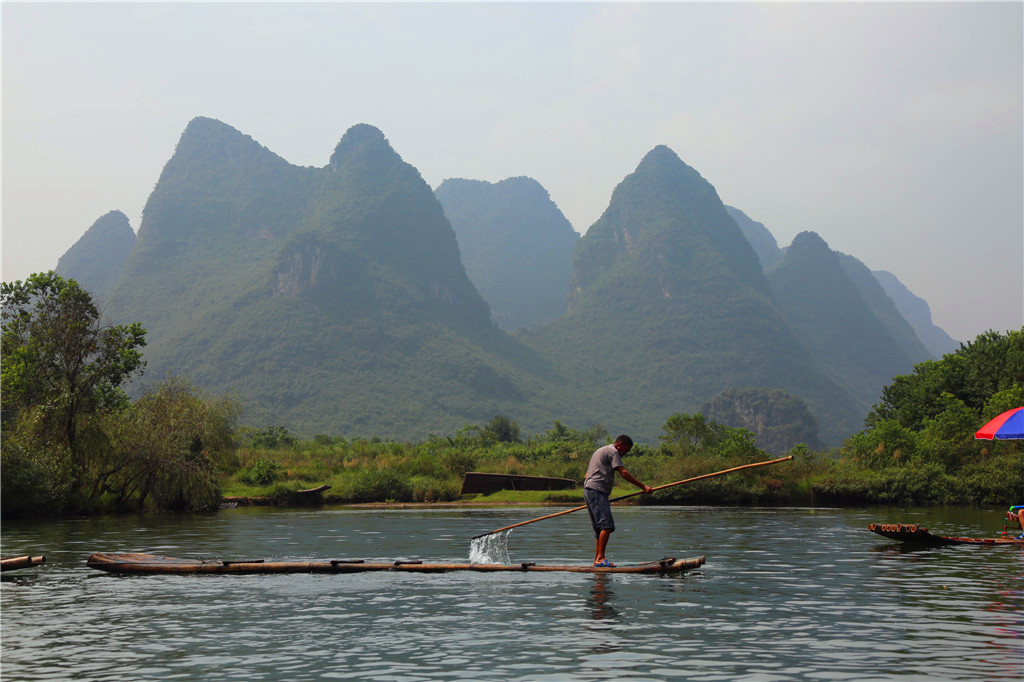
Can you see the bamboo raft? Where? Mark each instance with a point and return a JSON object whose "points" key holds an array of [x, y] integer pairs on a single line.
{"points": [[21, 562], [151, 564], [912, 532]]}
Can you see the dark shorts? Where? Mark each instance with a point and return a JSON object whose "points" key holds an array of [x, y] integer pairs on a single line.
{"points": [[600, 510]]}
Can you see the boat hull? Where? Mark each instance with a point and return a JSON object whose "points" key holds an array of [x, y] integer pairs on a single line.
{"points": [[151, 564], [911, 532]]}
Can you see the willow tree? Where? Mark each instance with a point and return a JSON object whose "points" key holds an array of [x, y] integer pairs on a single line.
{"points": [[165, 449]]}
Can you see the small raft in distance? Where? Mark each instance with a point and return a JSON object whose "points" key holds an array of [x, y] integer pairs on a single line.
{"points": [[911, 532], [150, 564]]}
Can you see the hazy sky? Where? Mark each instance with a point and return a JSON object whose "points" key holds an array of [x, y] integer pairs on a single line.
{"points": [[892, 130]]}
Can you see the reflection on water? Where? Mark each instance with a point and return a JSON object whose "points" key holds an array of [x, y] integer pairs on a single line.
{"points": [[786, 594], [602, 599]]}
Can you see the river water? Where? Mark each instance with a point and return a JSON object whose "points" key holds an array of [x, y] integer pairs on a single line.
{"points": [[786, 594]]}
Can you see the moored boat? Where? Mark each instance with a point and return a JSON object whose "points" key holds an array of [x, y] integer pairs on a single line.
{"points": [[912, 532], [150, 564], [27, 561]]}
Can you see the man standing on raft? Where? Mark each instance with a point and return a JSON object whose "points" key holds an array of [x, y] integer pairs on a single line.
{"points": [[597, 486]]}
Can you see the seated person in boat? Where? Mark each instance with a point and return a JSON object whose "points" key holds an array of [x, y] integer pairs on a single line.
{"points": [[1016, 515], [597, 486]]}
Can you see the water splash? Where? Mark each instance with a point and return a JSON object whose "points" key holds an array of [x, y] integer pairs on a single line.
{"points": [[490, 549]]}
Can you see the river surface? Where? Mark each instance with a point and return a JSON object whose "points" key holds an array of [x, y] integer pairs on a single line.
{"points": [[786, 594]]}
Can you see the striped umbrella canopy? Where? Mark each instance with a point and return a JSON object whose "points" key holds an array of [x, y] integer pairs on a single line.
{"points": [[1008, 425]]}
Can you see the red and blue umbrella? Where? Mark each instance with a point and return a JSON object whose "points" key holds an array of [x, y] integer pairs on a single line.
{"points": [[1008, 425]]}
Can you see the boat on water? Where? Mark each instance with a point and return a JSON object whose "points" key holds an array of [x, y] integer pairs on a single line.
{"points": [[16, 562], [912, 532], [150, 564]]}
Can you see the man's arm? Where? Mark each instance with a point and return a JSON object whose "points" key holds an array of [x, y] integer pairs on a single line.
{"points": [[632, 479]]}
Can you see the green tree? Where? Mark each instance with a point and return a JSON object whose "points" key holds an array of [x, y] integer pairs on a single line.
{"points": [[992, 363], [687, 431], [164, 449], [57, 356], [272, 438], [921, 436], [502, 429]]}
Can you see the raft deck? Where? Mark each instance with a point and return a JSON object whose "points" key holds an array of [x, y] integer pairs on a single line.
{"points": [[150, 564], [912, 532]]}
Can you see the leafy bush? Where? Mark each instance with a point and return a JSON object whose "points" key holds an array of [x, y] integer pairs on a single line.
{"points": [[927, 484], [34, 481], [379, 485], [428, 489], [993, 480], [271, 438], [260, 472]]}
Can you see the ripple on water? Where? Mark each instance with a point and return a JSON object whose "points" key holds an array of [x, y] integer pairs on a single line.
{"points": [[794, 596]]}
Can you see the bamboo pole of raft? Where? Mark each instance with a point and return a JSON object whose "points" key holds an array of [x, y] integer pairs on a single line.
{"points": [[641, 492], [21, 562]]}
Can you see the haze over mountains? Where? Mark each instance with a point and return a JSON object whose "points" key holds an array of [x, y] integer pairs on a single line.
{"points": [[353, 300]]}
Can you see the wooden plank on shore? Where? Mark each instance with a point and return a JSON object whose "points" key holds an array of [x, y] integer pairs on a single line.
{"points": [[477, 482]]}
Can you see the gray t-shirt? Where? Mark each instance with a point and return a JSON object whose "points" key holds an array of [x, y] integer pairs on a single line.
{"points": [[601, 471]]}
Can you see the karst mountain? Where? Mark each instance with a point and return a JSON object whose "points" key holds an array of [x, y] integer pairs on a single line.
{"points": [[352, 299]]}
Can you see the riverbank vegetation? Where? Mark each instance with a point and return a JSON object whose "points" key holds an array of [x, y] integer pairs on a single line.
{"points": [[74, 444]]}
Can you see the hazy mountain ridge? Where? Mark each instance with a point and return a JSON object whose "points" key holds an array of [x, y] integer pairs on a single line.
{"points": [[906, 316], [97, 259], [336, 300], [760, 237], [884, 309], [918, 314], [515, 244], [828, 311]]}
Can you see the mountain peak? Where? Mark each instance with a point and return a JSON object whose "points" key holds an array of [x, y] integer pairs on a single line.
{"points": [[97, 259], [664, 218], [204, 130], [207, 124], [809, 244], [209, 141], [361, 140], [660, 154], [664, 161]]}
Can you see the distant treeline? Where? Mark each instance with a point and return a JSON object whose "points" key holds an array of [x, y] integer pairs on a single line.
{"points": [[73, 443]]}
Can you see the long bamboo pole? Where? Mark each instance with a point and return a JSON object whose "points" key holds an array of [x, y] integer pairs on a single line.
{"points": [[640, 492]]}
